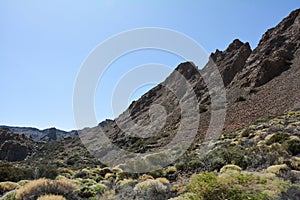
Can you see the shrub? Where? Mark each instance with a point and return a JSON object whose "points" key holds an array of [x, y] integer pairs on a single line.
{"points": [[157, 173], [82, 174], [292, 193], [145, 177], [163, 180], [278, 138], [46, 171], [8, 186], [208, 186], [230, 168], [202, 108], [65, 172], [51, 197], [43, 186], [124, 175], [264, 156], [293, 147], [276, 169], [195, 164], [104, 171], [151, 189], [9, 195], [91, 191], [8, 172], [86, 182], [295, 163], [224, 155], [180, 165], [240, 98], [253, 91], [73, 160], [170, 170]]}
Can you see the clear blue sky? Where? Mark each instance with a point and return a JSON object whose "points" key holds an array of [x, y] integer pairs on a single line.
{"points": [[44, 42]]}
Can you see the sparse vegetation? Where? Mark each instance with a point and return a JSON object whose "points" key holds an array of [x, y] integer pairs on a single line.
{"points": [[202, 108], [278, 137], [240, 99], [37, 188], [51, 197], [234, 186], [269, 148], [149, 189], [8, 172]]}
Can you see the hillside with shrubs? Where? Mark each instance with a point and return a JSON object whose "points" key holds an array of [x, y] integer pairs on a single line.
{"points": [[256, 157]]}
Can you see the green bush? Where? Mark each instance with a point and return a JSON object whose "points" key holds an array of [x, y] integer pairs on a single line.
{"points": [[195, 164], [278, 138], [209, 186], [261, 157], [151, 189], [9, 195], [46, 171], [91, 191], [10, 173], [293, 147], [224, 155]]}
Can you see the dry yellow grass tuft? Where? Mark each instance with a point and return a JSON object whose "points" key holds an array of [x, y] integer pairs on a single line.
{"points": [[40, 187], [51, 197], [163, 180], [145, 177]]}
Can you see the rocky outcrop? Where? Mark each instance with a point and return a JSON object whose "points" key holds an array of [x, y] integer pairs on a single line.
{"points": [[14, 147], [232, 60], [50, 136], [274, 53]]}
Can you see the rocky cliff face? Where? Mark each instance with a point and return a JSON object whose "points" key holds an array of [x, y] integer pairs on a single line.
{"points": [[14, 147], [274, 53], [232, 60]]}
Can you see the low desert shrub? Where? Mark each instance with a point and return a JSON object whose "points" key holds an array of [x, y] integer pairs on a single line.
{"points": [[278, 138], [224, 155], [202, 108], [163, 180], [240, 98], [209, 186], [230, 168], [170, 170], [51, 197], [150, 190], [8, 172], [46, 171], [276, 169], [91, 191], [293, 147], [36, 188], [11, 195], [261, 157], [8, 186]]}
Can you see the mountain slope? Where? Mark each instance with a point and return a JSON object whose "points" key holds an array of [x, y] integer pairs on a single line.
{"points": [[259, 83]]}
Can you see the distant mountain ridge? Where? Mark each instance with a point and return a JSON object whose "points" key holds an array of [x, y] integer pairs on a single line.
{"points": [[41, 135]]}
